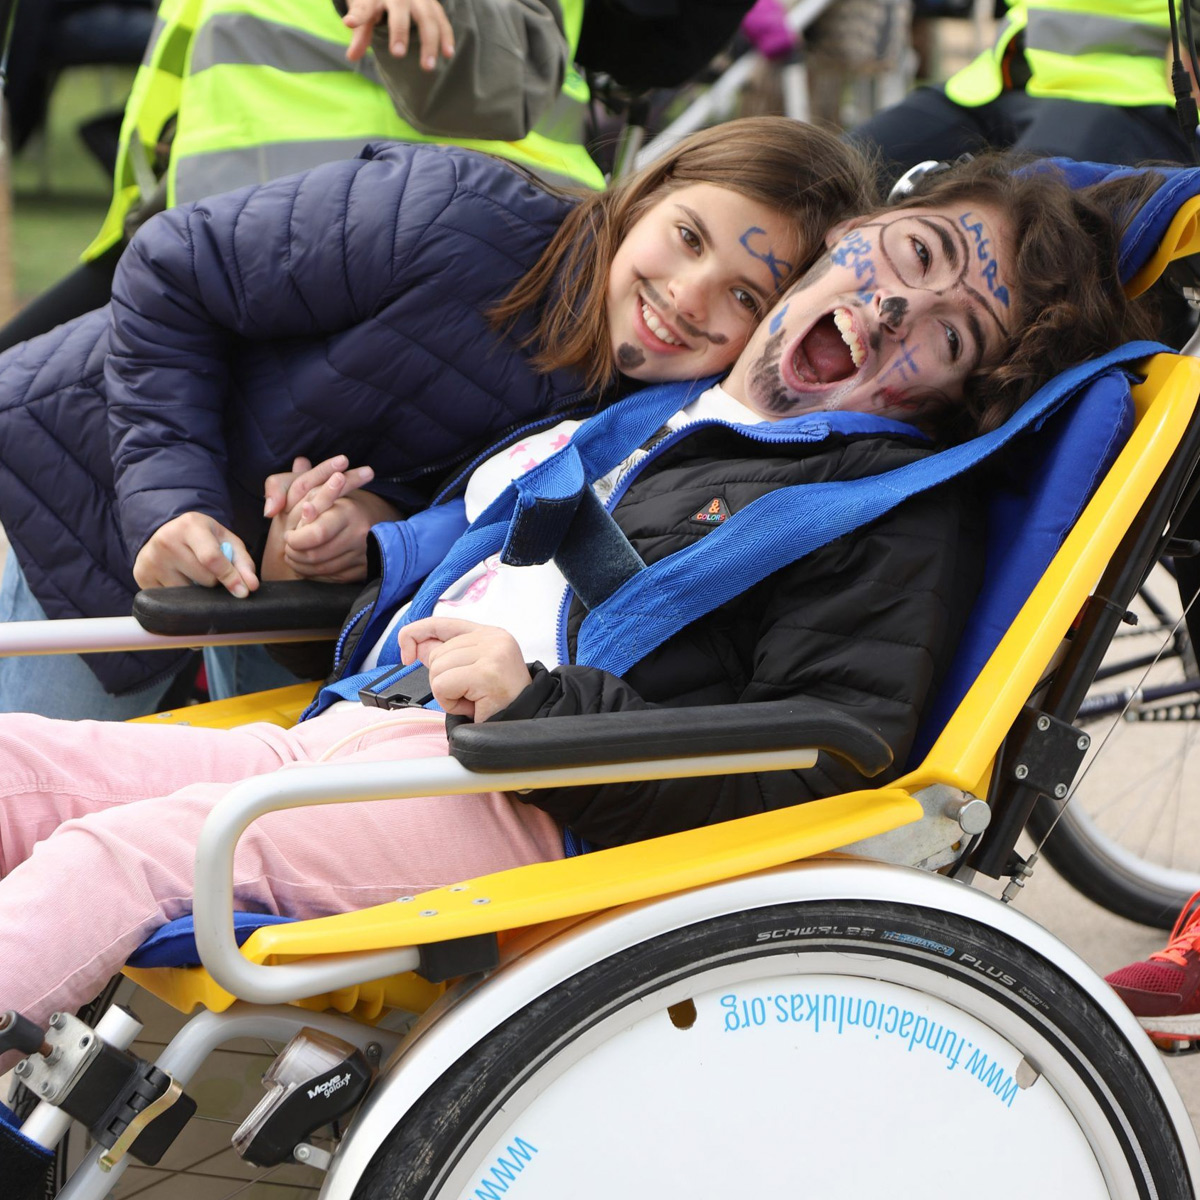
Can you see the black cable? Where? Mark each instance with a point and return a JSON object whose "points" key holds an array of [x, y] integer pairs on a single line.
{"points": [[1191, 43], [1185, 103]]}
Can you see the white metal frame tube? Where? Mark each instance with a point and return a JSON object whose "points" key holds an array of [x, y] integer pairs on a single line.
{"points": [[324, 784], [84, 635], [722, 94]]}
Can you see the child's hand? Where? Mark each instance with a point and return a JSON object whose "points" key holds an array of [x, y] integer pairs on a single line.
{"points": [[286, 491], [474, 670], [433, 28], [191, 549], [320, 520]]}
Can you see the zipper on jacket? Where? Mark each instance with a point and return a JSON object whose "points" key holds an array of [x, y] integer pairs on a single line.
{"points": [[800, 437], [347, 629]]}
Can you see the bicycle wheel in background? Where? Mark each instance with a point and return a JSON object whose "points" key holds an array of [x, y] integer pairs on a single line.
{"points": [[834, 1048], [1129, 838]]}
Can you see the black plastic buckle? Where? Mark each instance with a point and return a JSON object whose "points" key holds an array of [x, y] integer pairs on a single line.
{"points": [[411, 691]]}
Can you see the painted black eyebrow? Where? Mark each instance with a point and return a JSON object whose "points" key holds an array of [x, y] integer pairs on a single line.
{"points": [[977, 333], [705, 236], [948, 247]]}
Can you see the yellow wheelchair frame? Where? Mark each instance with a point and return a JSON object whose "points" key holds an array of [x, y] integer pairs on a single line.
{"points": [[962, 758]]}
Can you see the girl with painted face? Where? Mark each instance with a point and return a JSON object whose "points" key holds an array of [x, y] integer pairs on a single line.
{"points": [[942, 311], [404, 310]]}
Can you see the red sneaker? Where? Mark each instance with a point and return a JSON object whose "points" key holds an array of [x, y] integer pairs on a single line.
{"points": [[1164, 991]]}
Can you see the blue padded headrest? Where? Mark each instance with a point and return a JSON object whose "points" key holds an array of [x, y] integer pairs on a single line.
{"points": [[174, 944], [1148, 227], [1037, 488]]}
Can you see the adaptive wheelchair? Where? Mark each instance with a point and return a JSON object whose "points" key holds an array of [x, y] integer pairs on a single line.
{"points": [[811, 999]]}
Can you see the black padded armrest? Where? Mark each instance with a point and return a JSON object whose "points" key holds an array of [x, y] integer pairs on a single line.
{"points": [[195, 611], [668, 733]]}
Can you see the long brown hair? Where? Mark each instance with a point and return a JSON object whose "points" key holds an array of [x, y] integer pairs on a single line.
{"points": [[804, 172], [1069, 305]]}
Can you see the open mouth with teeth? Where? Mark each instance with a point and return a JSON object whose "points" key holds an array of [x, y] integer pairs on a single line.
{"points": [[830, 352], [658, 329]]}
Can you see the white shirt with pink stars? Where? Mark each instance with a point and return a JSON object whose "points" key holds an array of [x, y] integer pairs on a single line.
{"points": [[527, 601]]}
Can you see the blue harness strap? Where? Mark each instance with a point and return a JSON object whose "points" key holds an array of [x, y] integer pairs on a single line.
{"points": [[789, 523], [528, 520], [595, 557]]}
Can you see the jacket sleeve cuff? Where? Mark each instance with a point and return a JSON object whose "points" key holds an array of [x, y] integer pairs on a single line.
{"points": [[541, 693]]}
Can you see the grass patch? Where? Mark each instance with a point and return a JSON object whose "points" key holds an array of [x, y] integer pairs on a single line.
{"points": [[60, 192]]}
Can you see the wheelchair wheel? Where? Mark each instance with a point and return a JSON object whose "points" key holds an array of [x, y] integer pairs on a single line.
{"points": [[1109, 873], [1130, 837], [838, 1048]]}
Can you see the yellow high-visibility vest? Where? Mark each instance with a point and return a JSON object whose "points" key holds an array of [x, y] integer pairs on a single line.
{"points": [[262, 89], [1098, 51]]}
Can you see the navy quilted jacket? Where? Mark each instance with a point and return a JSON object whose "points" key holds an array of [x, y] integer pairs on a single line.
{"points": [[337, 311]]}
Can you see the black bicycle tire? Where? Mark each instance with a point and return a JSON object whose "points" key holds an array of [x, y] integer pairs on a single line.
{"points": [[414, 1160], [1085, 861], [1085, 865]]}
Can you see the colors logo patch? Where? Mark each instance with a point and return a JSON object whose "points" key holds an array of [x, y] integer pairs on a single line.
{"points": [[715, 512]]}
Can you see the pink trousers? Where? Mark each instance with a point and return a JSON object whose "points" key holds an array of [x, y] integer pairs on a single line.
{"points": [[99, 822]]}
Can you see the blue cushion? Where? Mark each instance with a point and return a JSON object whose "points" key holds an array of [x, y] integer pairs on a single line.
{"points": [[174, 944], [1146, 230], [1038, 487]]}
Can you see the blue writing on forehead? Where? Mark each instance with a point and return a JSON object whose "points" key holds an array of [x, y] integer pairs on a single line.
{"points": [[983, 253], [777, 319], [854, 250], [989, 274], [905, 366], [779, 268]]}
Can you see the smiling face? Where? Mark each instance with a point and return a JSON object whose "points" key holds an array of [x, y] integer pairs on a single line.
{"points": [[690, 280], [892, 320]]}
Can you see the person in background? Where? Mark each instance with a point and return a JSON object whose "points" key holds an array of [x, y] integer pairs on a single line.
{"points": [[1163, 991], [1084, 79]]}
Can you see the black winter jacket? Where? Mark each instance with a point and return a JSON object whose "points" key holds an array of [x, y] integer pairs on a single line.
{"points": [[867, 624]]}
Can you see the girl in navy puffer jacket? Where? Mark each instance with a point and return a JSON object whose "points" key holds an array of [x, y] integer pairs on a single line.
{"points": [[405, 308]]}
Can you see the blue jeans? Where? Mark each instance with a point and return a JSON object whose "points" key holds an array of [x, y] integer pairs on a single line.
{"points": [[58, 685], [237, 670]]}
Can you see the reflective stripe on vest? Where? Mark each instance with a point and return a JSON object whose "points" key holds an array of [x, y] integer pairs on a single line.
{"points": [[249, 77], [153, 101], [1111, 52], [1083, 33], [268, 92]]}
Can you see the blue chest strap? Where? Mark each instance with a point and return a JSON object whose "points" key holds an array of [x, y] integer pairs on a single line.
{"points": [[789, 523], [529, 519]]}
